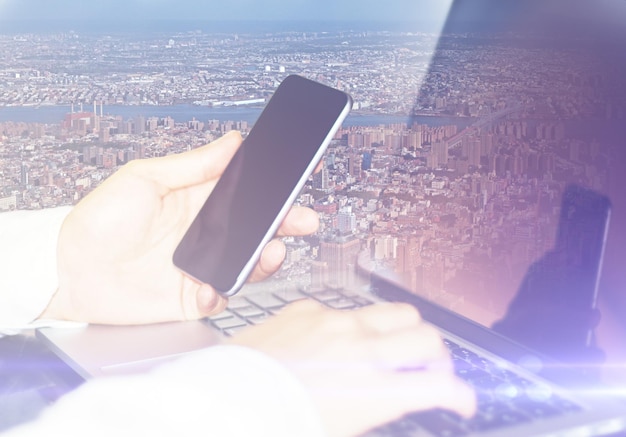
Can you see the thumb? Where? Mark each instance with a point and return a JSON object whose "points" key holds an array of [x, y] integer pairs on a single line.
{"points": [[199, 300], [209, 302], [191, 168]]}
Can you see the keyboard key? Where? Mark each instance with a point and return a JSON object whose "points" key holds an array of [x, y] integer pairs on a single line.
{"points": [[257, 319], [361, 301], [539, 392], [401, 428], [237, 302], [486, 382], [341, 304], [460, 365], [231, 322], [565, 405], [268, 301], [506, 391], [223, 315], [473, 375], [493, 408], [232, 331], [502, 373], [325, 295], [465, 354], [440, 423], [483, 363], [248, 311], [450, 344], [290, 295], [522, 382], [484, 422], [536, 409]]}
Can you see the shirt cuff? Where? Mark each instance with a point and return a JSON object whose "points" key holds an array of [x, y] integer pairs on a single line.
{"points": [[29, 259], [226, 391]]}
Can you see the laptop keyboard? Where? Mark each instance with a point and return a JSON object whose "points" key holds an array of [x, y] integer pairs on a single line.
{"points": [[504, 397], [244, 311]]}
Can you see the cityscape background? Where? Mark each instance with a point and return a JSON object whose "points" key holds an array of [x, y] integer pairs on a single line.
{"points": [[449, 172]]}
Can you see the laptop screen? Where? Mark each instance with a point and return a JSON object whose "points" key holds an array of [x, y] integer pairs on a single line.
{"points": [[511, 229]]}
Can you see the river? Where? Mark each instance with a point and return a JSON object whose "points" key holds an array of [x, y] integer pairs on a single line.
{"points": [[184, 113]]}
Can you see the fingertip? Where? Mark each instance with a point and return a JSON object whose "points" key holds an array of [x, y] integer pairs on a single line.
{"points": [[272, 257], [299, 221], [319, 167], [390, 316], [447, 391], [231, 140], [209, 302], [233, 135], [311, 219], [409, 313], [466, 398]]}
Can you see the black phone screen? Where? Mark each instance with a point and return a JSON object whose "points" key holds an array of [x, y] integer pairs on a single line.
{"points": [[260, 183], [554, 311]]}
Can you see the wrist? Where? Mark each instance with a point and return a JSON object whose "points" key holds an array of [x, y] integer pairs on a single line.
{"points": [[53, 309]]}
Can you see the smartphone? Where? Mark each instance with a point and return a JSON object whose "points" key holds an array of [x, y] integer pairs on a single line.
{"points": [[580, 243], [554, 311], [261, 182]]}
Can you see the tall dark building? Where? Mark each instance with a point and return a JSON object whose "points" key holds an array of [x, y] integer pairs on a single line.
{"points": [[24, 175], [354, 166], [139, 125], [366, 163]]}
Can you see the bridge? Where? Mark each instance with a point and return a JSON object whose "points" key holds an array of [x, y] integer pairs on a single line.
{"points": [[457, 139]]}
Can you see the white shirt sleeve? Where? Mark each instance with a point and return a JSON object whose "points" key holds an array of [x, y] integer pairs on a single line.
{"points": [[28, 263], [225, 391]]}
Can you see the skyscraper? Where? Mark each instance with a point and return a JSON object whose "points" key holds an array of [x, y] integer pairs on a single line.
{"points": [[340, 255], [346, 220], [354, 166], [366, 163], [321, 180], [139, 125], [440, 153], [24, 176]]}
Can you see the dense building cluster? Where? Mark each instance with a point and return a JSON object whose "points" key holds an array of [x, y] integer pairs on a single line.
{"points": [[446, 206], [381, 69]]}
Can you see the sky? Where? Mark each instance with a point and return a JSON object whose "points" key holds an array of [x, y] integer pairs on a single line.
{"points": [[429, 14], [340, 10]]}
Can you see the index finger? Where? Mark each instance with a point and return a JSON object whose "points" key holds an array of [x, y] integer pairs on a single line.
{"points": [[299, 221], [419, 391], [384, 317]]}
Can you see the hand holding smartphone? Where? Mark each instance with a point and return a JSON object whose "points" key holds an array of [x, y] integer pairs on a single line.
{"points": [[259, 185]]}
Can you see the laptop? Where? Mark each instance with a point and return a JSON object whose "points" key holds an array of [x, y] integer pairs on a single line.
{"points": [[523, 389], [506, 326]]}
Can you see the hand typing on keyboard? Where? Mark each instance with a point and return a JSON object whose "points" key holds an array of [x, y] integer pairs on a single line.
{"points": [[363, 367]]}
